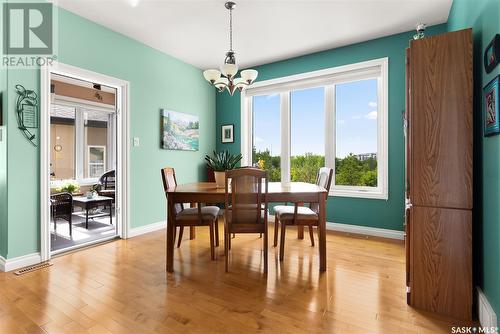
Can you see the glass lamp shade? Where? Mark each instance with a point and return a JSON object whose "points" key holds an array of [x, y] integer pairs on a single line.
{"points": [[221, 83], [239, 83], [229, 70], [211, 75], [249, 75]]}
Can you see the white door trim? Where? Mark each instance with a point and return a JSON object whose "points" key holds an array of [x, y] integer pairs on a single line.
{"points": [[123, 147]]}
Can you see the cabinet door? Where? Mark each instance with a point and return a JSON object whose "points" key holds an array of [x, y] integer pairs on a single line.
{"points": [[441, 261], [441, 120]]}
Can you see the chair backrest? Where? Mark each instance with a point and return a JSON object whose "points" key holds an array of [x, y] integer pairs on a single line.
{"points": [[170, 182], [246, 192], [62, 204], [324, 179], [108, 180]]}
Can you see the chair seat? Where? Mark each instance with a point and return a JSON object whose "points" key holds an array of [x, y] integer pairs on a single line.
{"points": [[285, 212], [207, 213]]}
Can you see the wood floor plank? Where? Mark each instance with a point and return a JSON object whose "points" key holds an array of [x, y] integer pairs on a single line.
{"points": [[122, 287]]}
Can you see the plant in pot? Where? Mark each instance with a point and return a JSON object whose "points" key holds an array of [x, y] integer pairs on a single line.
{"points": [[220, 162], [70, 186], [93, 191]]}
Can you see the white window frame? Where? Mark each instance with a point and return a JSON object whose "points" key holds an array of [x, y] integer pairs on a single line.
{"points": [[327, 78], [79, 104]]}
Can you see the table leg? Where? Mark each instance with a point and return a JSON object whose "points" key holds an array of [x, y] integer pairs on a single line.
{"points": [[192, 230], [86, 217], [322, 231], [170, 235]]}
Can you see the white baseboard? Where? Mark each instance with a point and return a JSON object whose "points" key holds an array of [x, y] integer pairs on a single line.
{"points": [[134, 232], [487, 316], [364, 230], [19, 262]]}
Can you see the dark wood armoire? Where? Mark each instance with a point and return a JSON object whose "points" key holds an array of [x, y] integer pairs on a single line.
{"points": [[439, 174]]}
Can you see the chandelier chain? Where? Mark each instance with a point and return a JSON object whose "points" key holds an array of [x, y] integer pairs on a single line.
{"points": [[230, 30]]}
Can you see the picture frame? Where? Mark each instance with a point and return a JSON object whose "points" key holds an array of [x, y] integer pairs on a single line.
{"points": [[491, 113], [179, 131], [227, 133], [491, 56]]}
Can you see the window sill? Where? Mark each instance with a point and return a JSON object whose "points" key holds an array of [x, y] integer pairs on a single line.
{"points": [[359, 194]]}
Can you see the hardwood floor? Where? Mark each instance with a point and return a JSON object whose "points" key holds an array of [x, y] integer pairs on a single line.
{"points": [[122, 287]]}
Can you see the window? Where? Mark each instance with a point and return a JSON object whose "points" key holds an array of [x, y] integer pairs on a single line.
{"points": [[307, 135], [266, 135], [82, 142], [336, 117], [96, 161]]}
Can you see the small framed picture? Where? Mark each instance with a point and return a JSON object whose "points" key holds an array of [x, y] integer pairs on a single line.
{"points": [[491, 99], [227, 134]]}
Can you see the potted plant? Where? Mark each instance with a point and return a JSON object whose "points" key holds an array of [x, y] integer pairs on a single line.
{"points": [[220, 163], [93, 191], [70, 186]]}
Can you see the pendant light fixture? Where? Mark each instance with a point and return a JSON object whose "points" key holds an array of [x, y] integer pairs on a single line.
{"points": [[226, 77]]}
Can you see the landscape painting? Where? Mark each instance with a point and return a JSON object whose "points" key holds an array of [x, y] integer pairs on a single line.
{"points": [[179, 131]]}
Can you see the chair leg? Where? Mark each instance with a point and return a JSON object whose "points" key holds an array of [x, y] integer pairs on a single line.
{"points": [[216, 232], [276, 227], [229, 242], [212, 244], [181, 232], [311, 235], [175, 233], [265, 252], [70, 226], [282, 241], [226, 249]]}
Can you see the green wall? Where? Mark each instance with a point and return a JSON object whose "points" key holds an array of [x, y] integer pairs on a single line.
{"points": [[156, 81], [483, 16], [366, 212]]}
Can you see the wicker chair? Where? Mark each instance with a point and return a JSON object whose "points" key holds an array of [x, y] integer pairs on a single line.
{"points": [[200, 216], [300, 215], [62, 207], [107, 183], [246, 206]]}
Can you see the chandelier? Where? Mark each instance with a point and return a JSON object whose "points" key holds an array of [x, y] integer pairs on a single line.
{"points": [[226, 77]]}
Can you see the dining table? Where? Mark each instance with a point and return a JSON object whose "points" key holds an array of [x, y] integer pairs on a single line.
{"points": [[278, 192]]}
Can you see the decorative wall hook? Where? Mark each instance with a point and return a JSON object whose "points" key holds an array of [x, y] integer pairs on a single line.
{"points": [[27, 112]]}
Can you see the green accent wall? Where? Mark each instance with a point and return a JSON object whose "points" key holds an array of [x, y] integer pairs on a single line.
{"points": [[483, 16], [366, 212], [156, 81]]}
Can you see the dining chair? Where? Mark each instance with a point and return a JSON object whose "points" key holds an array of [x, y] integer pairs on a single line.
{"points": [[246, 206], [199, 216], [296, 215]]}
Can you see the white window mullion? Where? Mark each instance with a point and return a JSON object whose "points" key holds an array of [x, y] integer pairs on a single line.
{"points": [[285, 136], [330, 127]]}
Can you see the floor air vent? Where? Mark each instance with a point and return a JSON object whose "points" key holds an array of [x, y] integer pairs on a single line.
{"points": [[34, 267]]}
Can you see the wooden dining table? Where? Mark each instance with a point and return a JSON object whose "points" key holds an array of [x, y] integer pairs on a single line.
{"points": [[207, 192]]}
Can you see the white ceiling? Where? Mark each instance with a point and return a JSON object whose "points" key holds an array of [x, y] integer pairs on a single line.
{"points": [[264, 31]]}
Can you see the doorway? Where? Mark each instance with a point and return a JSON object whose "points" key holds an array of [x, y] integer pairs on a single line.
{"points": [[84, 151]]}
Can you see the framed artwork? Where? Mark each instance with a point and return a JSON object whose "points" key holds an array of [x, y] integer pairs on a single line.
{"points": [[227, 134], [179, 131], [492, 54], [490, 100]]}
